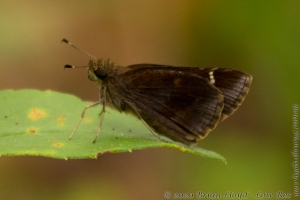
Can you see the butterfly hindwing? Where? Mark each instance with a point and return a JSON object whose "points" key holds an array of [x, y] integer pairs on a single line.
{"points": [[233, 84]]}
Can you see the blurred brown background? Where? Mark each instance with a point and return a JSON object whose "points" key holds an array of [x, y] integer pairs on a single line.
{"points": [[258, 37]]}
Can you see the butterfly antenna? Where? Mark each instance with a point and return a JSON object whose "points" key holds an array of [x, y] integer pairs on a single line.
{"points": [[72, 45]]}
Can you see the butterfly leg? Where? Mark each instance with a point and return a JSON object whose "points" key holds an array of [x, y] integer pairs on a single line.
{"points": [[101, 120], [82, 116], [103, 100]]}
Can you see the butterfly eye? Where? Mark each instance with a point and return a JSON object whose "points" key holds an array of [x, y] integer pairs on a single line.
{"points": [[101, 73]]}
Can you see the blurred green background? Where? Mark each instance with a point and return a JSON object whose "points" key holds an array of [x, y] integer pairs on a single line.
{"points": [[261, 38]]}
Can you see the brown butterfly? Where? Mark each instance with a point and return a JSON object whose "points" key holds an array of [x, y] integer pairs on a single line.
{"points": [[181, 103]]}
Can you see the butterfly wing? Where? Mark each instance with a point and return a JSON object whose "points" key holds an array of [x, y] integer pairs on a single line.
{"points": [[176, 103]]}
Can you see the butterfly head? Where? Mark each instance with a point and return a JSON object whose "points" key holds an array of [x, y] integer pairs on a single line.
{"points": [[97, 70]]}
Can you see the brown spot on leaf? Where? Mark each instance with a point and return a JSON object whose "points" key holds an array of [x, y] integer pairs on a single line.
{"points": [[32, 130], [57, 144]]}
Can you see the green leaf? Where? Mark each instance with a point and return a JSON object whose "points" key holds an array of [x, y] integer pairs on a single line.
{"points": [[38, 123]]}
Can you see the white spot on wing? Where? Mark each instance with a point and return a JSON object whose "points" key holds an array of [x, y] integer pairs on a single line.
{"points": [[211, 77]]}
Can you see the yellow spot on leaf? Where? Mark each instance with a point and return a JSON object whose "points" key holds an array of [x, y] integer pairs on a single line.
{"points": [[88, 120], [181, 148], [61, 118], [51, 152], [36, 114]]}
